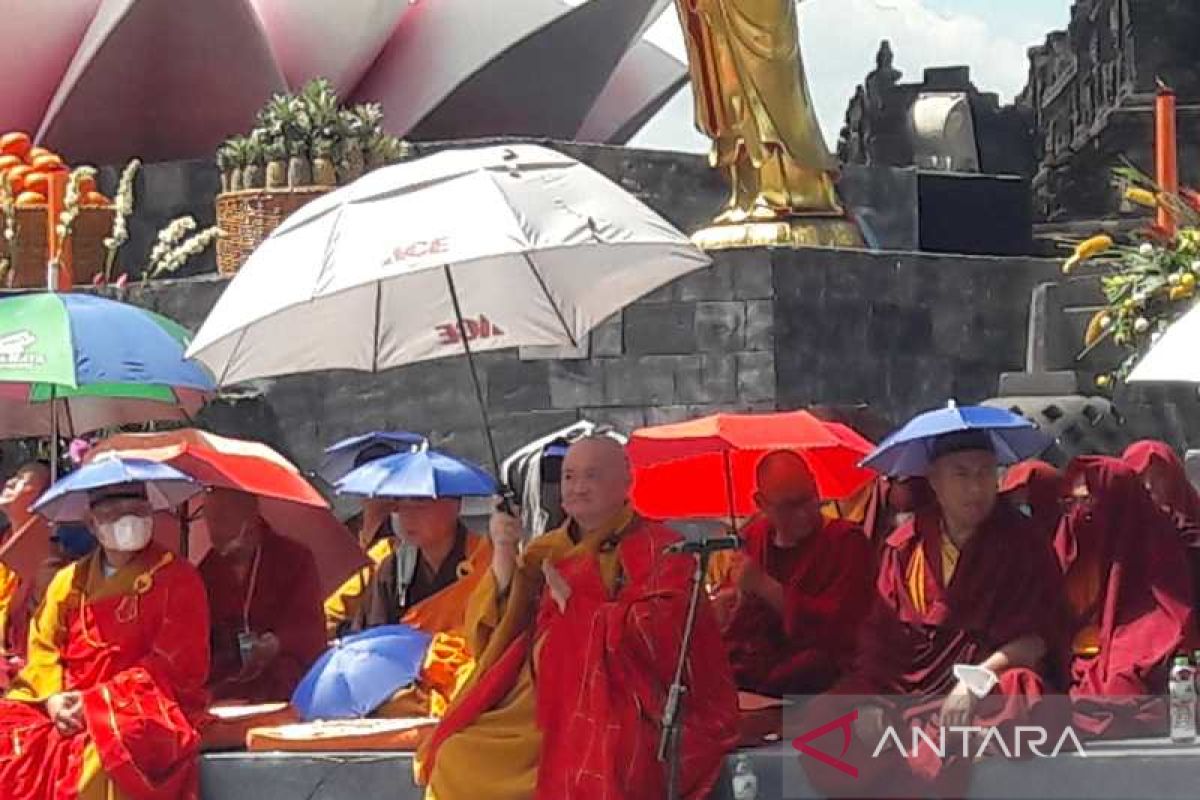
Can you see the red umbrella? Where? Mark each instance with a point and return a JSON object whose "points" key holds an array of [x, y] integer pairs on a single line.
{"points": [[286, 500], [699, 468]]}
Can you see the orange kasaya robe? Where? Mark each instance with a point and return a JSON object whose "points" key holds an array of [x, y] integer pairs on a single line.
{"points": [[937, 607], [281, 596], [827, 581], [347, 600], [567, 704], [21, 555], [135, 644], [449, 661]]}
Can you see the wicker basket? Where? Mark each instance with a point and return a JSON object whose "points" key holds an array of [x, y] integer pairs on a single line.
{"points": [[87, 245], [248, 217]]}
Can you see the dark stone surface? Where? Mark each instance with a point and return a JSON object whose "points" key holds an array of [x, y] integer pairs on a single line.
{"points": [[900, 331]]}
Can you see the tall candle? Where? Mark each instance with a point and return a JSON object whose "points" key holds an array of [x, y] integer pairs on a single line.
{"points": [[57, 251], [1165, 150]]}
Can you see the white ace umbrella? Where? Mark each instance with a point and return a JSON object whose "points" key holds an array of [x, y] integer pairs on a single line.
{"points": [[459, 252], [1175, 356]]}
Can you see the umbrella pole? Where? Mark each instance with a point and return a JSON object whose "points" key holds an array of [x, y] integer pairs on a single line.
{"points": [[53, 437], [483, 413]]}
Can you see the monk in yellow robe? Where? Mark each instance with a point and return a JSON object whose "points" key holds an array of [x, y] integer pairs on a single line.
{"points": [[570, 686], [118, 655]]}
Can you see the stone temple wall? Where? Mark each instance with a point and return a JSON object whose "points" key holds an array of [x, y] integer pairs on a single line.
{"points": [[761, 329]]}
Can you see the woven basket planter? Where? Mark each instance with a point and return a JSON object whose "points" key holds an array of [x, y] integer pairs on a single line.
{"points": [[92, 226], [248, 217]]}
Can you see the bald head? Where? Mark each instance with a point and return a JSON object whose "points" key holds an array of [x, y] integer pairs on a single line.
{"points": [[595, 481], [24, 488], [787, 496]]}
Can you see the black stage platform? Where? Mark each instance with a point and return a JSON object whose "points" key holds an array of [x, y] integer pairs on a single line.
{"points": [[1143, 769]]}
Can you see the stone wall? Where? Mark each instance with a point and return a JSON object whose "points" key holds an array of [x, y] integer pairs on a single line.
{"points": [[760, 330]]}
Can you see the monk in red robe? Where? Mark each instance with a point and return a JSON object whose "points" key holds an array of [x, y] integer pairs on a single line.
{"points": [[800, 588], [1130, 599], [967, 584], [1164, 475], [577, 640], [25, 546], [118, 656], [1037, 490], [268, 624]]}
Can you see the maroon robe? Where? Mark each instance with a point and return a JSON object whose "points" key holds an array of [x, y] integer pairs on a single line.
{"points": [[1005, 586], [1130, 593], [826, 581], [1044, 485], [1183, 501]]}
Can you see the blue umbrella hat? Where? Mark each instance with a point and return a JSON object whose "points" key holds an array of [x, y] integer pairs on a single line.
{"points": [[69, 499], [909, 451], [422, 474], [350, 454]]}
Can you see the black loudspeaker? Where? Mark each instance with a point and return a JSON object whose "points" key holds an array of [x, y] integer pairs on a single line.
{"points": [[974, 214]]}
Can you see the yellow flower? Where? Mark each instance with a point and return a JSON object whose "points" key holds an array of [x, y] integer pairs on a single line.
{"points": [[1142, 197], [1104, 381], [1188, 280], [1088, 248], [1183, 292]]}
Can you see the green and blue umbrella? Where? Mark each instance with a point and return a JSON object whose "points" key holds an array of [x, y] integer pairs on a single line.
{"points": [[95, 362]]}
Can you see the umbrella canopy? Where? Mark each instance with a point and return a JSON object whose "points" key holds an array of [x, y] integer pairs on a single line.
{"points": [[96, 362], [1172, 359], [67, 500], [359, 673], [288, 502], [908, 451], [421, 474], [502, 246], [339, 458], [692, 469]]}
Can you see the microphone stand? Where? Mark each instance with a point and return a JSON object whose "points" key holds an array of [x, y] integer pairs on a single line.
{"points": [[672, 728]]}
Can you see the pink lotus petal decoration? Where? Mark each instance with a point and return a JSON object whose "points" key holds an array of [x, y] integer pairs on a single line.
{"points": [[103, 81]]}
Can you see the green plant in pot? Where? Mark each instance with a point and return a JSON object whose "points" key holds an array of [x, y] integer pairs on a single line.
{"points": [[252, 173]]}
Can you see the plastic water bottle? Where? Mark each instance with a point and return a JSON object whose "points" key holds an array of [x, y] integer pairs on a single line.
{"points": [[1183, 701], [745, 782]]}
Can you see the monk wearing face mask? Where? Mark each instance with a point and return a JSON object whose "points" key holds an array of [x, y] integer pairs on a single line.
{"points": [[118, 654], [268, 626]]}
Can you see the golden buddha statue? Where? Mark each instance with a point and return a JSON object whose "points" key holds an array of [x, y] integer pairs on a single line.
{"points": [[752, 100]]}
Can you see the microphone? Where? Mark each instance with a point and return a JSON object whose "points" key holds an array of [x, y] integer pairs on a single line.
{"points": [[706, 545]]}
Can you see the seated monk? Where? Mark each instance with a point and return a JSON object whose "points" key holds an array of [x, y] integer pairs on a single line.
{"points": [[1164, 475], [429, 576], [801, 587], [118, 655], [1130, 600], [25, 546], [1036, 489], [267, 623], [376, 536], [577, 639], [967, 582]]}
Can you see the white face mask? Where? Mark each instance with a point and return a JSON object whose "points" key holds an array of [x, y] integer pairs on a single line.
{"points": [[128, 534]]}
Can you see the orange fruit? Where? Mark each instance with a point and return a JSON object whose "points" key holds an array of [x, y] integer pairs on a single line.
{"points": [[26, 199]]}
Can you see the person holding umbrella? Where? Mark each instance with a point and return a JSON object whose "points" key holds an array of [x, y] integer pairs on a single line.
{"points": [[267, 622], [969, 616], [576, 639], [118, 655]]}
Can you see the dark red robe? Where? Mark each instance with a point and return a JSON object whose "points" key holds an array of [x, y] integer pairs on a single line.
{"points": [[1130, 595], [1006, 586], [1183, 501], [827, 583], [1044, 485], [285, 600]]}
